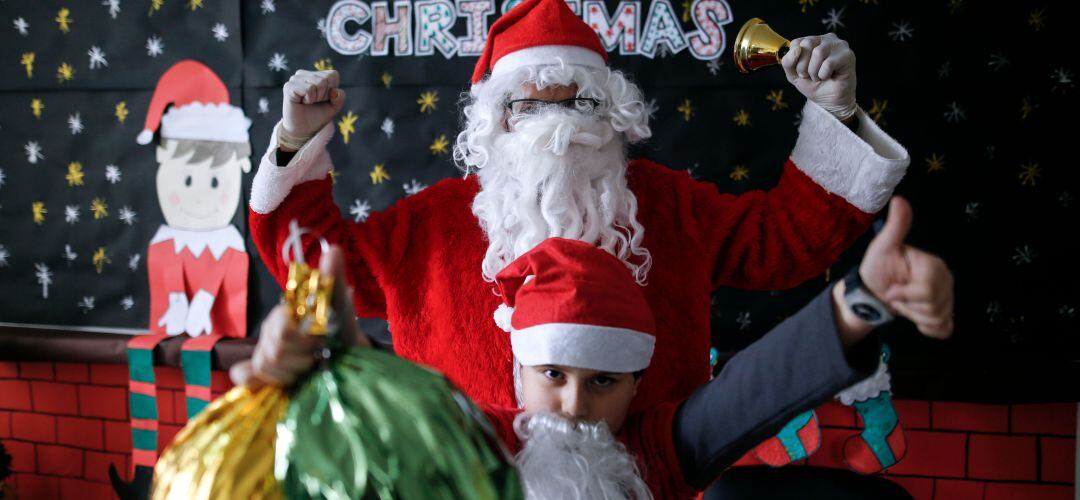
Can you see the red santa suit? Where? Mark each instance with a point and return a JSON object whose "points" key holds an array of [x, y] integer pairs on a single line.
{"points": [[201, 272], [418, 263]]}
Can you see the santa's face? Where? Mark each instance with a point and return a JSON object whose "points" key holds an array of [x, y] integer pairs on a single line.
{"points": [[578, 393], [196, 195]]}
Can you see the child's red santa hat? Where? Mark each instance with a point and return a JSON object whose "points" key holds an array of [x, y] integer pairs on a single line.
{"points": [[200, 107], [569, 303], [539, 32]]}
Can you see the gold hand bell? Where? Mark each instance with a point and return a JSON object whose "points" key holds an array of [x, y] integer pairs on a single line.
{"points": [[758, 46]]}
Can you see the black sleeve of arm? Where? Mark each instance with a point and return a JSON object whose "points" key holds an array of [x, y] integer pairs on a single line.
{"points": [[795, 367]]}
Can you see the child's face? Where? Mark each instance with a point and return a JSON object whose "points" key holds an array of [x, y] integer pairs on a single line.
{"points": [[196, 196], [578, 393]]}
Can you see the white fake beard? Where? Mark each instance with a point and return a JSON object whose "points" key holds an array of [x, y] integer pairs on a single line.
{"points": [[562, 459], [558, 174]]}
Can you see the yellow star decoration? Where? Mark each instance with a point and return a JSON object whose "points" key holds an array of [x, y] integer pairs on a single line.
{"points": [[64, 73], [686, 11], [954, 6], [100, 259], [379, 174], [346, 125], [155, 5], [36, 106], [807, 4], [121, 111], [1026, 108], [439, 146], [64, 20], [742, 118], [386, 79], [194, 4], [75, 174], [427, 101], [38, 208], [935, 163], [27, 61], [100, 208], [323, 64], [1029, 173], [1037, 19], [776, 97], [686, 108], [739, 173], [877, 110]]}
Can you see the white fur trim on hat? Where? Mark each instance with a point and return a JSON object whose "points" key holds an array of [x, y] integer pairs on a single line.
{"points": [[206, 122], [603, 348], [862, 168], [547, 54], [868, 388]]}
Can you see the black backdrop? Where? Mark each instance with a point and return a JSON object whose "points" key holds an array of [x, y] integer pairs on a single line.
{"points": [[981, 94]]}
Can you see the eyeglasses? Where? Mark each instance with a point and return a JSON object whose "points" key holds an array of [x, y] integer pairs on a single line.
{"points": [[534, 106]]}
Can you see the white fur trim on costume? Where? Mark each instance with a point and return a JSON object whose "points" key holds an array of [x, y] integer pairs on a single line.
{"points": [[220, 122], [217, 240], [547, 54], [603, 348], [868, 388], [862, 168], [273, 183], [502, 317]]}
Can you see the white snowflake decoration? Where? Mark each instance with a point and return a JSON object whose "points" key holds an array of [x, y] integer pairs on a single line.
{"points": [[22, 26], [945, 70], [86, 304], [33, 152], [387, 128], [264, 105], [321, 26], [112, 173], [972, 210], [69, 255], [267, 6], [901, 31], [998, 61], [44, 278], [993, 310], [955, 113], [2, 177], [714, 66], [652, 107], [834, 18], [360, 210], [1023, 255], [133, 262], [413, 187], [4, 256], [127, 302], [221, 33], [75, 124], [97, 58], [114, 7], [278, 62], [743, 320], [71, 214], [1067, 311], [154, 46], [1065, 200], [127, 215], [1063, 79]]}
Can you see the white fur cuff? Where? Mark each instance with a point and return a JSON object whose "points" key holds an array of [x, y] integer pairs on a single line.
{"points": [[868, 388], [862, 168], [273, 183]]}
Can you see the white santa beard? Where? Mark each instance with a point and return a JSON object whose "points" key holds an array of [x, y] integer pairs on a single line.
{"points": [[559, 174], [561, 459]]}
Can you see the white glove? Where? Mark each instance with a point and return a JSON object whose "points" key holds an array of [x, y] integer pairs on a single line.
{"points": [[822, 68], [198, 317], [175, 316]]}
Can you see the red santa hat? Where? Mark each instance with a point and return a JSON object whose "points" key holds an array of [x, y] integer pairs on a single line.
{"points": [[200, 107], [569, 303], [539, 32]]}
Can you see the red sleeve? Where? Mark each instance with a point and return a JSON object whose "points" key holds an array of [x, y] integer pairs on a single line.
{"points": [[370, 247], [166, 274], [775, 239]]}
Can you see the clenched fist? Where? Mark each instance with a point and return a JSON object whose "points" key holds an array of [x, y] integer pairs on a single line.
{"points": [[822, 68], [312, 98]]}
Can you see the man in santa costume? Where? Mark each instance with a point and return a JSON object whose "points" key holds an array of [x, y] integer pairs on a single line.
{"points": [[546, 128]]}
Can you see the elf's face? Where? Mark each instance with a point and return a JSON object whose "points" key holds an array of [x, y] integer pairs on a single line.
{"points": [[578, 393], [197, 195]]}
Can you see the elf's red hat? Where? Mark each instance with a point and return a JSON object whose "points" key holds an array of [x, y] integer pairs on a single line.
{"points": [[200, 107], [539, 32], [570, 303]]}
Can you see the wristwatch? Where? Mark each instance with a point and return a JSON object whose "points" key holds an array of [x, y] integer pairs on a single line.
{"points": [[862, 302]]}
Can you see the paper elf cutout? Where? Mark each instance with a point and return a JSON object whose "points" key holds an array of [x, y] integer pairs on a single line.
{"points": [[881, 444], [197, 262]]}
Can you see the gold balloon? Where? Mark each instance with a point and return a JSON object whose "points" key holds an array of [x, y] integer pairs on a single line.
{"points": [[758, 46]]}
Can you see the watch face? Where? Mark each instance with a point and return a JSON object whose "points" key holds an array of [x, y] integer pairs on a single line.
{"points": [[866, 312]]}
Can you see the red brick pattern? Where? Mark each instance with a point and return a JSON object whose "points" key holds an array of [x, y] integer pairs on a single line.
{"points": [[64, 424], [967, 451]]}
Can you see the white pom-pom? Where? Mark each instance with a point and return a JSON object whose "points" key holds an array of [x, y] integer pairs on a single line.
{"points": [[502, 317], [868, 388], [145, 137]]}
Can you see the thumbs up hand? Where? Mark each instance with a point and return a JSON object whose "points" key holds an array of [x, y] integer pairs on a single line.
{"points": [[914, 284]]}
